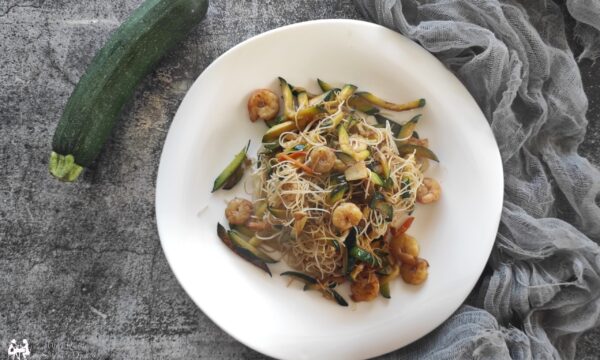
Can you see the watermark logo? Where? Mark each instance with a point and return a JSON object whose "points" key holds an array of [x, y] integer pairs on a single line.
{"points": [[18, 351]]}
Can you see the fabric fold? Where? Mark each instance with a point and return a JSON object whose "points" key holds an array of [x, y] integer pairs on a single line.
{"points": [[542, 289]]}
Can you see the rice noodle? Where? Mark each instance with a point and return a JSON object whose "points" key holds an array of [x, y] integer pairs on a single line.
{"points": [[294, 192]]}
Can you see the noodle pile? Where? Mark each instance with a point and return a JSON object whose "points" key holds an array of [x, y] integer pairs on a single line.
{"points": [[291, 195], [334, 187]]}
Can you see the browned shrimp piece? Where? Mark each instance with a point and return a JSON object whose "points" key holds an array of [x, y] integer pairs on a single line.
{"points": [[415, 274], [366, 287], [322, 159], [429, 191], [346, 215], [404, 243], [263, 104], [405, 258], [238, 211]]}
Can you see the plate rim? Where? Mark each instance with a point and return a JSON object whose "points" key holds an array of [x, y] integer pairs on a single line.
{"points": [[161, 231]]}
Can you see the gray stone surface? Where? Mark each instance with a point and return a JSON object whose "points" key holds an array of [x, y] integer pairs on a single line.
{"points": [[82, 274]]}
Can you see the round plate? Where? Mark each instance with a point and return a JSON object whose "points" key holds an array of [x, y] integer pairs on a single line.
{"points": [[456, 234]]}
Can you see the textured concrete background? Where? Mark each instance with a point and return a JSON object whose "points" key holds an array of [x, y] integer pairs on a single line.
{"points": [[82, 274]]}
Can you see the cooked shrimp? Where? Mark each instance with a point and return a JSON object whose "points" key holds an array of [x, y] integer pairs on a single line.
{"points": [[415, 274], [429, 191], [263, 104], [346, 215], [238, 211], [366, 287], [322, 159], [405, 258], [404, 243]]}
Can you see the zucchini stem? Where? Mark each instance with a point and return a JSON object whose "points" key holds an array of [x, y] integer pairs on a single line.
{"points": [[63, 167]]}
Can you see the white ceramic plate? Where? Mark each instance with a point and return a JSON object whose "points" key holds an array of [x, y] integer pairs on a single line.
{"points": [[211, 125]]}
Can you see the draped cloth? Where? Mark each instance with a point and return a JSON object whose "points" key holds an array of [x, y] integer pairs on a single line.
{"points": [[542, 286]]}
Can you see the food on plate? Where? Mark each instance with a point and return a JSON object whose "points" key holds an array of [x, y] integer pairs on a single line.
{"points": [[233, 172], [334, 188], [263, 104]]}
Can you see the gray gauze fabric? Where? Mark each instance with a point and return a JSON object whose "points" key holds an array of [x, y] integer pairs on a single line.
{"points": [[542, 289]]}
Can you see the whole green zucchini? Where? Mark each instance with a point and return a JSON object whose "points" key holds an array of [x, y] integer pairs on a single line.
{"points": [[110, 80]]}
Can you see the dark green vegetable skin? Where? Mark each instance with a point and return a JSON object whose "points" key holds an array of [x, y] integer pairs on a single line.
{"points": [[240, 251], [233, 172], [311, 284], [110, 80], [378, 203]]}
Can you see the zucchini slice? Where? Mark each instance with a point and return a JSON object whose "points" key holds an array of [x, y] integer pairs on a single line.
{"points": [[345, 158], [336, 244], [272, 147], [384, 282], [346, 92], [230, 170], [338, 193], [278, 120], [375, 179], [384, 290], [306, 115], [421, 151], [302, 99], [344, 140], [324, 86], [363, 255], [260, 208], [338, 298], [297, 90], [409, 127], [357, 171], [235, 178], [324, 97], [361, 104], [378, 203], [288, 99], [278, 213], [337, 119], [273, 133], [343, 136], [377, 101], [385, 167], [388, 183], [405, 188], [394, 126], [300, 276], [310, 283], [244, 230], [349, 263], [222, 233], [239, 242], [246, 255]]}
